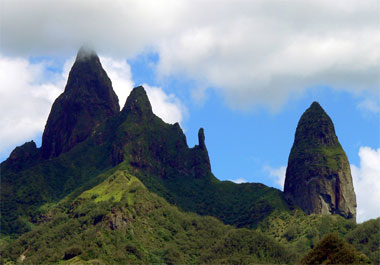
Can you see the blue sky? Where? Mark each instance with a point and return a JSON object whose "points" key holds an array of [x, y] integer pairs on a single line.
{"points": [[244, 71]]}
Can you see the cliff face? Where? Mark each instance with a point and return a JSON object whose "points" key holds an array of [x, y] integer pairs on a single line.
{"points": [[87, 101], [318, 176]]}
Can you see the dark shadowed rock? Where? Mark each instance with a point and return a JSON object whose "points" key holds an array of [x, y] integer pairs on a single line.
{"points": [[201, 139], [24, 152], [22, 156], [318, 176], [87, 101]]}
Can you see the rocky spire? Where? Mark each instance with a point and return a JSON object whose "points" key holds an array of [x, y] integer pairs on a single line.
{"points": [[201, 139], [318, 176], [87, 101]]}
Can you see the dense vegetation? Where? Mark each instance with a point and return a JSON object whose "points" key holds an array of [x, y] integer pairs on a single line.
{"points": [[120, 221], [366, 238], [303, 231]]}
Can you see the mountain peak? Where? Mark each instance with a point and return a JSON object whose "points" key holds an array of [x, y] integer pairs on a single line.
{"points": [[316, 105], [318, 176], [87, 101], [138, 102], [316, 127]]}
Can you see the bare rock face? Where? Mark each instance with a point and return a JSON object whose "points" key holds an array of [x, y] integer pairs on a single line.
{"points": [[318, 176], [87, 101]]}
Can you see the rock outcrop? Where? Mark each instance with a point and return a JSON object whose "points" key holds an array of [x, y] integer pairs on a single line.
{"points": [[318, 176], [87, 101]]}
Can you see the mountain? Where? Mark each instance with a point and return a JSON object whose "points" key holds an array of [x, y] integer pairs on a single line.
{"points": [[85, 135], [115, 187], [87, 101], [318, 176]]}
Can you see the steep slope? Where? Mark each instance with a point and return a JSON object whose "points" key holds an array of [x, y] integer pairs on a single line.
{"points": [[87, 101], [119, 221], [318, 176]]}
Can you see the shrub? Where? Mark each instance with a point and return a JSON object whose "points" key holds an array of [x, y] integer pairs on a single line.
{"points": [[72, 252], [292, 232], [334, 250]]}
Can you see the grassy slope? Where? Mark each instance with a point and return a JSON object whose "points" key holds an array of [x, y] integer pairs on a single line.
{"points": [[120, 221]]}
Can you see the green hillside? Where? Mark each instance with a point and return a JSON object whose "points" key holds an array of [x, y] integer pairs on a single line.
{"points": [[120, 221]]}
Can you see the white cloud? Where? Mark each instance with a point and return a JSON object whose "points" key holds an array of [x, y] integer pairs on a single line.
{"points": [[25, 99], [239, 180], [119, 71], [278, 175], [167, 106], [370, 104], [252, 52], [367, 183]]}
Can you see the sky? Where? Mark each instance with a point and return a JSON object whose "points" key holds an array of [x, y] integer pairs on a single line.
{"points": [[245, 71]]}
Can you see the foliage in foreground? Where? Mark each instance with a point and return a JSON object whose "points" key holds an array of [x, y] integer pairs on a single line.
{"points": [[334, 250]]}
